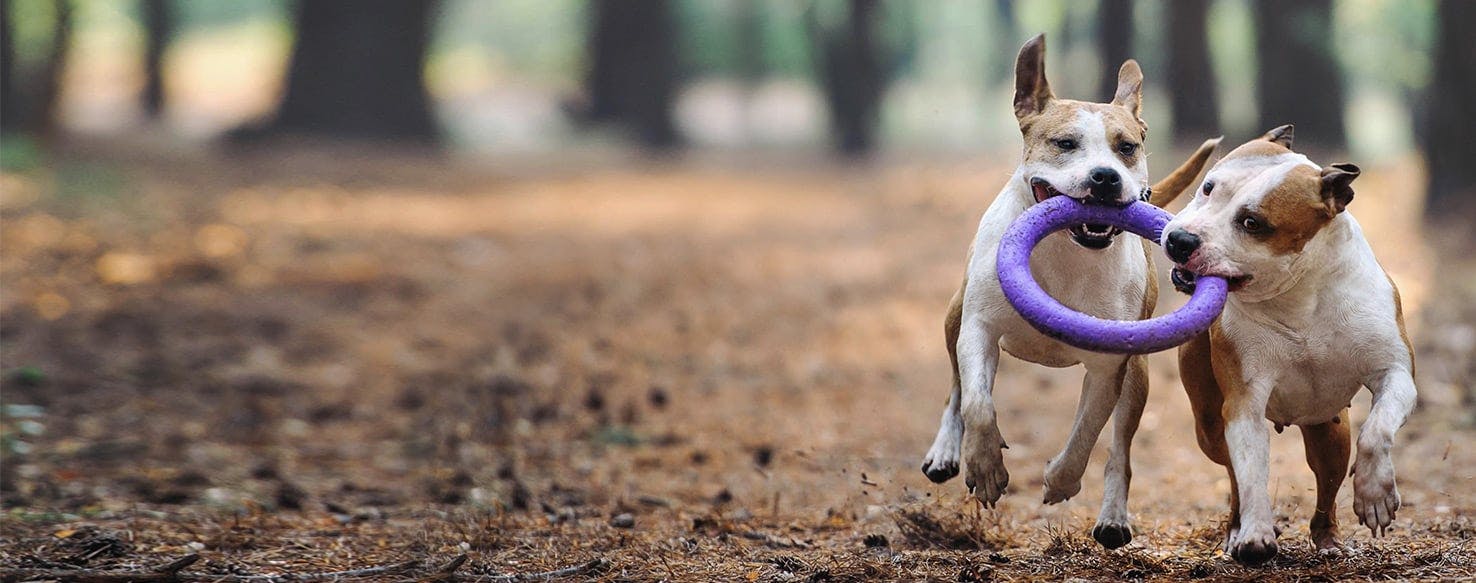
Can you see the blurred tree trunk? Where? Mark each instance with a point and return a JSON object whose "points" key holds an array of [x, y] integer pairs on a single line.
{"points": [[751, 66], [358, 71], [852, 76], [159, 23], [1191, 76], [9, 96], [43, 112], [29, 97], [1006, 42], [1297, 77], [1114, 42], [1448, 147], [633, 68]]}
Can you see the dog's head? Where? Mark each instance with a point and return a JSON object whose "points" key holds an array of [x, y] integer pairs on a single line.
{"points": [[1087, 151], [1255, 213]]}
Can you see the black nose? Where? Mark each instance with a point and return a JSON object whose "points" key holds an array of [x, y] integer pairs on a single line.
{"points": [[1106, 184], [1181, 245]]}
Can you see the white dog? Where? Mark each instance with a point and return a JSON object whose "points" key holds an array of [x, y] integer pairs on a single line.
{"points": [[1088, 151], [1312, 317]]}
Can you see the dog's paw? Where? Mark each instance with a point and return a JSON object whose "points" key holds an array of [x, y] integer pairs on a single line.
{"points": [[941, 463], [1231, 533], [1253, 546], [1375, 495], [984, 469], [938, 470], [1112, 536], [1060, 484], [1328, 544]]}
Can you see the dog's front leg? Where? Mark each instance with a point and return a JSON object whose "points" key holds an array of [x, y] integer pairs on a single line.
{"points": [[978, 359], [1113, 528], [1099, 392], [1375, 496], [941, 463], [1249, 445]]}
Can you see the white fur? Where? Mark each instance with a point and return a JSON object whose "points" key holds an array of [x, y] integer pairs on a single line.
{"points": [[1310, 329], [1108, 283], [1094, 150]]}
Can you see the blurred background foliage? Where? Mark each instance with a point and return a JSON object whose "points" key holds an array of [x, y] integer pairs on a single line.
{"points": [[859, 76]]}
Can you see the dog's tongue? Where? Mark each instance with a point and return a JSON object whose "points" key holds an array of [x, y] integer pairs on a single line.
{"points": [[1042, 191]]}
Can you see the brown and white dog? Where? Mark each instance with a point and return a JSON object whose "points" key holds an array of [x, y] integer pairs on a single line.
{"points": [[1085, 151], [1312, 317]]}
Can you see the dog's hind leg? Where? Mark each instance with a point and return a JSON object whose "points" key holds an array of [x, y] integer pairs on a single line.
{"points": [[1099, 394], [1113, 527], [941, 463], [1328, 446], [1197, 373]]}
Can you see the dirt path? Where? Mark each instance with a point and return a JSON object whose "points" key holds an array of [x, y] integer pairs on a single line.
{"points": [[279, 372]]}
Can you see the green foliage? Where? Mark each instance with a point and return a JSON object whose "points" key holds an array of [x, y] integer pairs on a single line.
{"points": [[1386, 43], [19, 153], [32, 22], [540, 39]]}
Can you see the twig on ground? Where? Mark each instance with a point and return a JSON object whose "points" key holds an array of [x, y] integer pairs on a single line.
{"points": [[171, 572], [593, 566]]}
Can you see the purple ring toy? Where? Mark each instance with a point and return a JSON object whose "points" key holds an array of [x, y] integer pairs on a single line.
{"points": [[1056, 320]]}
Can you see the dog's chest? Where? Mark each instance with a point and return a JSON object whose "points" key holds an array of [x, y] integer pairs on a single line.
{"points": [[1311, 370], [1107, 283]]}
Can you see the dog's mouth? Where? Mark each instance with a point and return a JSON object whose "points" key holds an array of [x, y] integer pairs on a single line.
{"points": [[1094, 236], [1089, 235], [1042, 189], [1183, 280]]}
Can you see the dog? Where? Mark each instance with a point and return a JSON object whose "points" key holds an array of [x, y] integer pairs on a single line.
{"points": [[1311, 318], [1090, 151]]}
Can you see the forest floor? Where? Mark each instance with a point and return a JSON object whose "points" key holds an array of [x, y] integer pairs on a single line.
{"points": [[288, 363]]}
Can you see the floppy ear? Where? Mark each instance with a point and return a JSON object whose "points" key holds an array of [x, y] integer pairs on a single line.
{"points": [[1282, 135], [1337, 186], [1032, 91], [1129, 87]]}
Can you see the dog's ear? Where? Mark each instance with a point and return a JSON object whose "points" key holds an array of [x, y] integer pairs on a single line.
{"points": [[1282, 135], [1129, 87], [1032, 91], [1337, 186]]}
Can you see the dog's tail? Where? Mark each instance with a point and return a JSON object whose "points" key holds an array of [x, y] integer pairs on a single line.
{"points": [[1182, 177]]}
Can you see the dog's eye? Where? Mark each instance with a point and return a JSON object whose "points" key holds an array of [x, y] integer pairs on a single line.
{"points": [[1127, 148], [1208, 187], [1065, 145], [1252, 225]]}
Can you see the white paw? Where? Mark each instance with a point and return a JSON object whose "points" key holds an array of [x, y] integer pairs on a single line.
{"points": [[941, 463], [984, 470], [1253, 545], [1375, 495], [1060, 484]]}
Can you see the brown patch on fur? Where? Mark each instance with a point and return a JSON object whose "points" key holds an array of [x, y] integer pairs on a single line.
{"points": [[1399, 318], [1197, 372], [1327, 447], [1200, 369], [1257, 148], [1040, 128], [1295, 210], [954, 321]]}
